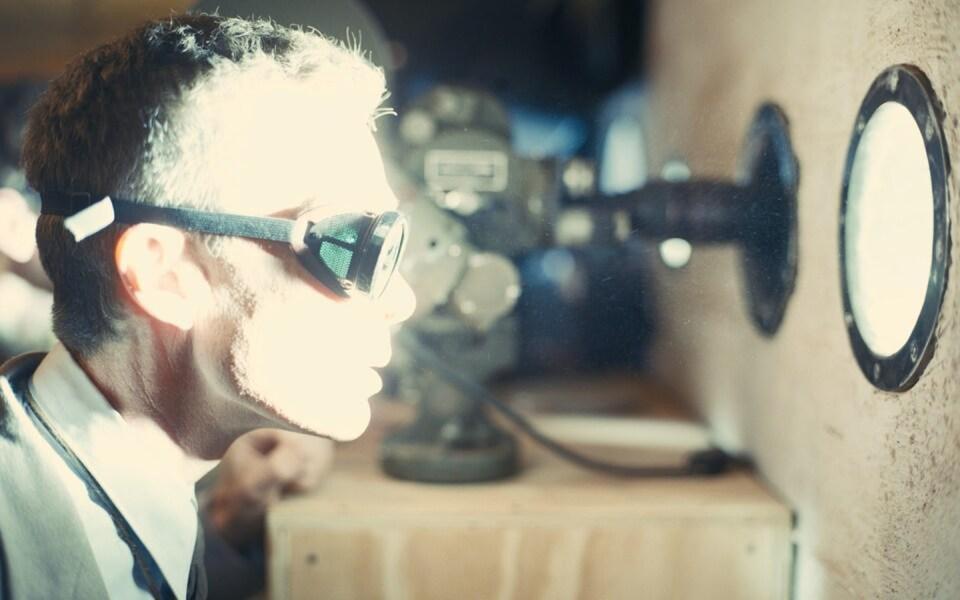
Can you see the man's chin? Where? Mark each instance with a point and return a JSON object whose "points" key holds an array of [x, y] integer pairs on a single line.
{"points": [[344, 422]]}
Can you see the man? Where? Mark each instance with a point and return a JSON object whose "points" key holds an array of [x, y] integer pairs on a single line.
{"points": [[186, 318], [259, 469]]}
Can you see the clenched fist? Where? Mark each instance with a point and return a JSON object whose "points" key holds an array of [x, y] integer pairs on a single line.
{"points": [[258, 469]]}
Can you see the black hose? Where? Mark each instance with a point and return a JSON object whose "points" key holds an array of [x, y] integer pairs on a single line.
{"points": [[710, 461]]}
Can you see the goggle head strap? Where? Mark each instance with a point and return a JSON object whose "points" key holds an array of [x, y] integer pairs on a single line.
{"points": [[86, 214], [341, 251]]}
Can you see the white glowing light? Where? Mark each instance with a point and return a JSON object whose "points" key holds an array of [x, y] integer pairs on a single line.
{"points": [[624, 156], [574, 227], [17, 225], [889, 229], [417, 127], [675, 252], [675, 170], [558, 265], [579, 177]]}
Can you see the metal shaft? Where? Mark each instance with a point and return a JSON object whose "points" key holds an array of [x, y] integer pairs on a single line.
{"points": [[700, 211]]}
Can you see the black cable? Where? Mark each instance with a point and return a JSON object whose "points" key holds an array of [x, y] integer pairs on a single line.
{"points": [[711, 461]]}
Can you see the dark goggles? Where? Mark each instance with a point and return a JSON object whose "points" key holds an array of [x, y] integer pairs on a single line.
{"points": [[353, 253]]}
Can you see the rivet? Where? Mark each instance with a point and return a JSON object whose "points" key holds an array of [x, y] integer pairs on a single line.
{"points": [[892, 79]]}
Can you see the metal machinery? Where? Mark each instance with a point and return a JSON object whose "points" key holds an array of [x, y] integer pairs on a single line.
{"points": [[756, 211], [473, 204]]}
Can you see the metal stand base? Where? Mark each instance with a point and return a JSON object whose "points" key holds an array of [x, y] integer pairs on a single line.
{"points": [[463, 449]]}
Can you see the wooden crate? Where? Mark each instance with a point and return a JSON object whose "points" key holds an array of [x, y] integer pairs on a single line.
{"points": [[554, 532]]}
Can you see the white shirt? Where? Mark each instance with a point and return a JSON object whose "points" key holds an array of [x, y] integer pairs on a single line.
{"points": [[146, 475]]}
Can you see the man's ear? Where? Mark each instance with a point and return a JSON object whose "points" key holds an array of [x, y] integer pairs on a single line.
{"points": [[159, 275]]}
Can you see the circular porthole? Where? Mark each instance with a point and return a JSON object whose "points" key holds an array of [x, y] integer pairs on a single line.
{"points": [[894, 228]]}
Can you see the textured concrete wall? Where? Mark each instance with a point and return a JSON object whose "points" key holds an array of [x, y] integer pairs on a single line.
{"points": [[874, 477]]}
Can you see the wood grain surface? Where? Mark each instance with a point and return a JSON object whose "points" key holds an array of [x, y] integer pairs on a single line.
{"points": [[555, 531]]}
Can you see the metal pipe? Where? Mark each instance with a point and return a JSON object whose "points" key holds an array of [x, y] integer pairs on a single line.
{"points": [[700, 211]]}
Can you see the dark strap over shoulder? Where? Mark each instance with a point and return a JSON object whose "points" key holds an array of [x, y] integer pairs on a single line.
{"points": [[17, 372], [197, 582], [147, 572], [4, 592]]}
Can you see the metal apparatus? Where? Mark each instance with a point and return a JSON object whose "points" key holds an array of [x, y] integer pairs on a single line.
{"points": [[477, 205], [757, 211]]}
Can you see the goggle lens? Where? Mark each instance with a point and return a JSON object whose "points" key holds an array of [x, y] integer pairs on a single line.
{"points": [[353, 253]]}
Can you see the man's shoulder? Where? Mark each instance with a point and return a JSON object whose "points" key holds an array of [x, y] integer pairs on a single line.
{"points": [[37, 518], [17, 446], [14, 375]]}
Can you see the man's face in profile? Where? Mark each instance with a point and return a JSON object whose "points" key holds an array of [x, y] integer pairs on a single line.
{"points": [[277, 340]]}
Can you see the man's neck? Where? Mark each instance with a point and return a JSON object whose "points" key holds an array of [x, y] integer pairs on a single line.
{"points": [[147, 377]]}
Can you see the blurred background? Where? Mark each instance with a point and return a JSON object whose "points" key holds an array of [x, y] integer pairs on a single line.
{"points": [[544, 73], [521, 126]]}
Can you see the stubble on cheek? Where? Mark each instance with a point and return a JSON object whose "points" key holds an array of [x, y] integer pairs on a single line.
{"points": [[289, 355], [232, 347], [271, 354]]}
